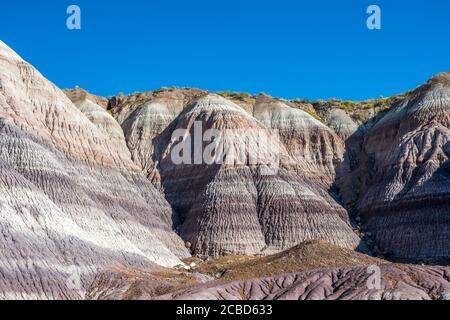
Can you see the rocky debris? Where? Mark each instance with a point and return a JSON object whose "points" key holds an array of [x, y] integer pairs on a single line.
{"points": [[403, 194], [371, 281], [398, 282], [72, 200]]}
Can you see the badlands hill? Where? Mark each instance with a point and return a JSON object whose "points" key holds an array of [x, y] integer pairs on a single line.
{"points": [[297, 274], [385, 160], [398, 282], [127, 283], [400, 182], [72, 201], [310, 255], [89, 184], [234, 207]]}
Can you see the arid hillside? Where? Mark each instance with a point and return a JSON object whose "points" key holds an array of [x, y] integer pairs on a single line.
{"points": [[125, 283], [185, 194]]}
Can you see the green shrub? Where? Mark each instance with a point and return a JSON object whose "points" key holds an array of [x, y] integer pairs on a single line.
{"points": [[224, 94]]}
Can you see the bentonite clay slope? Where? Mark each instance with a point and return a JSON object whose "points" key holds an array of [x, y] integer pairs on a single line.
{"points": [[340, 122], [71, 200], [310, 255], [78, 95], [398, 282], [120, 283], [126, 283], [144, 116], [243, 206], [404, 197], [315, 150], [89, 105]]}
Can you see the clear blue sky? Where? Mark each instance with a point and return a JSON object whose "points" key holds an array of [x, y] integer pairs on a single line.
{"points": [[308, 49]]}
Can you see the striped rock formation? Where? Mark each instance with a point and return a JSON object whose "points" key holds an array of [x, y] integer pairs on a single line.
{"points": [[211, 200], [143, 117], [311, 271], [78, 95], [404, 175], [87, 184], [72, 201], [398, 282], [314, 149], [253, 206], [341, 123], [94, 109]]}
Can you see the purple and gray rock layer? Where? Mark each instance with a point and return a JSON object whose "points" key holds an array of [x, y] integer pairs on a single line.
{"points": [[314, 149], [72, 201], [87, 184], [243, 207], [234, 207], [402, 181], [398, 282]]}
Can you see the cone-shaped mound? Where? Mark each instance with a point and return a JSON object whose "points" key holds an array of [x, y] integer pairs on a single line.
{"points": [[245, 207]]}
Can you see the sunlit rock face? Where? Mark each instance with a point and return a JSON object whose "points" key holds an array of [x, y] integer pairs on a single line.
{"points": [[210, 199], [78, 95], [246, 207], [314, 270], [87, 183], [72, 200], [143, 117], [315, 150], [397, 282], [404, 174], [341, 123]]}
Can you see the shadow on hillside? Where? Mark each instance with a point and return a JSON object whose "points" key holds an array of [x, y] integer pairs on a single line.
{"points": [[171, 174], [347, 184]]}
